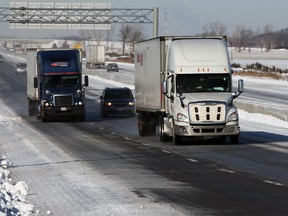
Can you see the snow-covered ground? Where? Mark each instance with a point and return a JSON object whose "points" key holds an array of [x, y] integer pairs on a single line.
{"points": [[13, 198]]}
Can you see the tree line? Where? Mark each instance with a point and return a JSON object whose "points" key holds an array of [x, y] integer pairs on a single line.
{"points": [[242, 38], [246, 38]]}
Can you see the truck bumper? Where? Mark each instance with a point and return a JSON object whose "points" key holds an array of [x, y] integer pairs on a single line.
{"points": [[69, 111], [230, 128]]}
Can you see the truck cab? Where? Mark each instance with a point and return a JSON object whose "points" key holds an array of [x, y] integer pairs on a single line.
{"points": [[200, 93], [58, 82]]}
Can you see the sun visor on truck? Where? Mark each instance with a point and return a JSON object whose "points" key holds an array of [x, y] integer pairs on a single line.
{"points": [[59, 62]]}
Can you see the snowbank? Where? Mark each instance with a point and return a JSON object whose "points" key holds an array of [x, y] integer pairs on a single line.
{"points": [[13, 196]]}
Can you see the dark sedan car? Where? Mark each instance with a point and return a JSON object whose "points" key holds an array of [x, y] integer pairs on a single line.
{"points": [[112, 67], [117, 101], [1, 58], [21, 68]]}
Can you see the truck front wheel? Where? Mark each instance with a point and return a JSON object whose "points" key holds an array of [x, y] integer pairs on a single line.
{"points": [[234, 139], [176, 138], [163, 136], [44, 119]]}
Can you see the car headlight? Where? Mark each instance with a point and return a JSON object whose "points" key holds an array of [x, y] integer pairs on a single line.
{"points": [[181, 117], [131, 103], [233, 116], [108, 103]]}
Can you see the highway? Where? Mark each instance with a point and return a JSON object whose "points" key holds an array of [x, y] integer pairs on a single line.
{"points": [[131, 175]]}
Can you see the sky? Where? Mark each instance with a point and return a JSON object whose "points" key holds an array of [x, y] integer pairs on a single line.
{"points": [[187, 17]]}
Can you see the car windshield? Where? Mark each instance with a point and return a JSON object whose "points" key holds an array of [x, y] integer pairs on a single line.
{"points": [[113, 94], [21, 65], [187, 83]]}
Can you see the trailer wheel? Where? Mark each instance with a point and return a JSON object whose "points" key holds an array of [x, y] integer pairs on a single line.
{"points": [[146, 126], [144, 130], [163, 136], [32, 107]]}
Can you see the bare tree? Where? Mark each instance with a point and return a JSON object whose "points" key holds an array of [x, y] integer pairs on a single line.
{"points": [[109, 38], [237, 40], [136, 35], [268, 38], [98, 35], [124, 35], [214, 28], [84, 34]]}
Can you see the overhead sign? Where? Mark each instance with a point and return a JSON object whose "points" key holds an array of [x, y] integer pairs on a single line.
{"points": [[57, 15]]}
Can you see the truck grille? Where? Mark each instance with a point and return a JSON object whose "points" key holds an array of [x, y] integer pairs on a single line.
{"points": [[207, 112], [63, 100]]}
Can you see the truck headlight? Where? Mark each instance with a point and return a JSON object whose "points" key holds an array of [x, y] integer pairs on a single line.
{"points": [[47, 92], [181, 117], [233, 116], [78, 93]]}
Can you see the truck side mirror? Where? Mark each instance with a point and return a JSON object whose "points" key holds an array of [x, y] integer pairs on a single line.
{"points": [[240, 86], [86, 80], [35, 82], [164, 87]]}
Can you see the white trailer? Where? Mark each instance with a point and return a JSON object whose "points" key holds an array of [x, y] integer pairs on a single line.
{"points": [[32, 92], [95, 56], [184, 86]]}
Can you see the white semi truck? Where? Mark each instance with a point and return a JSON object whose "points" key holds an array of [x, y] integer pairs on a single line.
{"points": [[95, 56], [184, 86]]}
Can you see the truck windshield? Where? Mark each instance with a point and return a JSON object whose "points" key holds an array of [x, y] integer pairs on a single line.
{"points": [[61, 81], [187, 83]]}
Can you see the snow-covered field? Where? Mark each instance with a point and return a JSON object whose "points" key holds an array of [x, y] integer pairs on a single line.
{"points": [[13, 198], [278, 58]]}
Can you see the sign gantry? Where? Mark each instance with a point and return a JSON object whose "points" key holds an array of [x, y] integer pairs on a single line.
{"points": [[57, 15]]}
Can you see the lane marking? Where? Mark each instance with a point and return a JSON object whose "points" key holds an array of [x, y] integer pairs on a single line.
{"points": [[166, 151], [145, 144], [226, 170], [192, 160], [273, 183]]}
